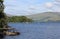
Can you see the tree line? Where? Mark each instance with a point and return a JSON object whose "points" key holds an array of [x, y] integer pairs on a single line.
{"points": [[19, 19]]}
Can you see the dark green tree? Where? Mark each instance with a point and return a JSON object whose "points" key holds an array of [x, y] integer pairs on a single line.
{"points": [[19, 19], [3, 21]]}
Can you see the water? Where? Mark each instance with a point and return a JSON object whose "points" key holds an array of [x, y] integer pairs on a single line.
{"points": [[36, 30]]}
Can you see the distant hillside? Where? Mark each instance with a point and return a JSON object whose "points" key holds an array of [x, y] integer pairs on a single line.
{"points": [[46, 16], [19, 19]]}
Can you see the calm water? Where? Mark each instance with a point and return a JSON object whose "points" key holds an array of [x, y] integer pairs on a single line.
{"points": [[36, 30]]}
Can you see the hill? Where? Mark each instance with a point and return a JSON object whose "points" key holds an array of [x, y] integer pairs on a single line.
{"points": [[19, 19], [46, 16]]}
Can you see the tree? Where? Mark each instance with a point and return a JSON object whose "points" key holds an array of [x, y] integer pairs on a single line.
{"points": [[19, 19], [2, 16]]}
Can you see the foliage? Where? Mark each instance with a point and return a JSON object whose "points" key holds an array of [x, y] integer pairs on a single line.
{"points": [[3, 19], [19, 19], [1, 0]]}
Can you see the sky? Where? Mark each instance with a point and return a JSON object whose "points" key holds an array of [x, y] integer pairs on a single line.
{"points": [[28, 7]]}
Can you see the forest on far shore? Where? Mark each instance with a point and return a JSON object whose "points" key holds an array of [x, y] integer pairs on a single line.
{"points": [[19, 19]]}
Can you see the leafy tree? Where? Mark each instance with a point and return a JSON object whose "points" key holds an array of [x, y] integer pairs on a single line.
{"points": [[19, 19], [3, 21]]}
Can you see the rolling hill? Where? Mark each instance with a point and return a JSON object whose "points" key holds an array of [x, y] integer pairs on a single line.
{"points": [[46, 16]]}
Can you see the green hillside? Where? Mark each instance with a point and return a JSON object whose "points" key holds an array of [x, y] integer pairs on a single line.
{"points": [[46, 16], [19, 19]]}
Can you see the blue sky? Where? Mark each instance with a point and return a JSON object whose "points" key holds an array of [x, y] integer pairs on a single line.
{"points": [[28, 7]]}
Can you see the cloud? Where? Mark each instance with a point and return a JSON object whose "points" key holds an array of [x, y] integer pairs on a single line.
{"points": [[26, 7], [49, 4], [57, 3], [57, 0]]}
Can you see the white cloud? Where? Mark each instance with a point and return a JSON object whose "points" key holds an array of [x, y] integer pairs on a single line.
{"points": [[57, 0], [27, 7], [49, 5], [57, 3]]}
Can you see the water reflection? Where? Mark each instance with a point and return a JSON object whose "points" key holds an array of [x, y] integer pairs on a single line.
{"points": [[36, 31], [1, 38]]}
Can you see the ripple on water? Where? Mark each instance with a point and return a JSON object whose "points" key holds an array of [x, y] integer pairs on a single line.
{"points": [[36, 30]]}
